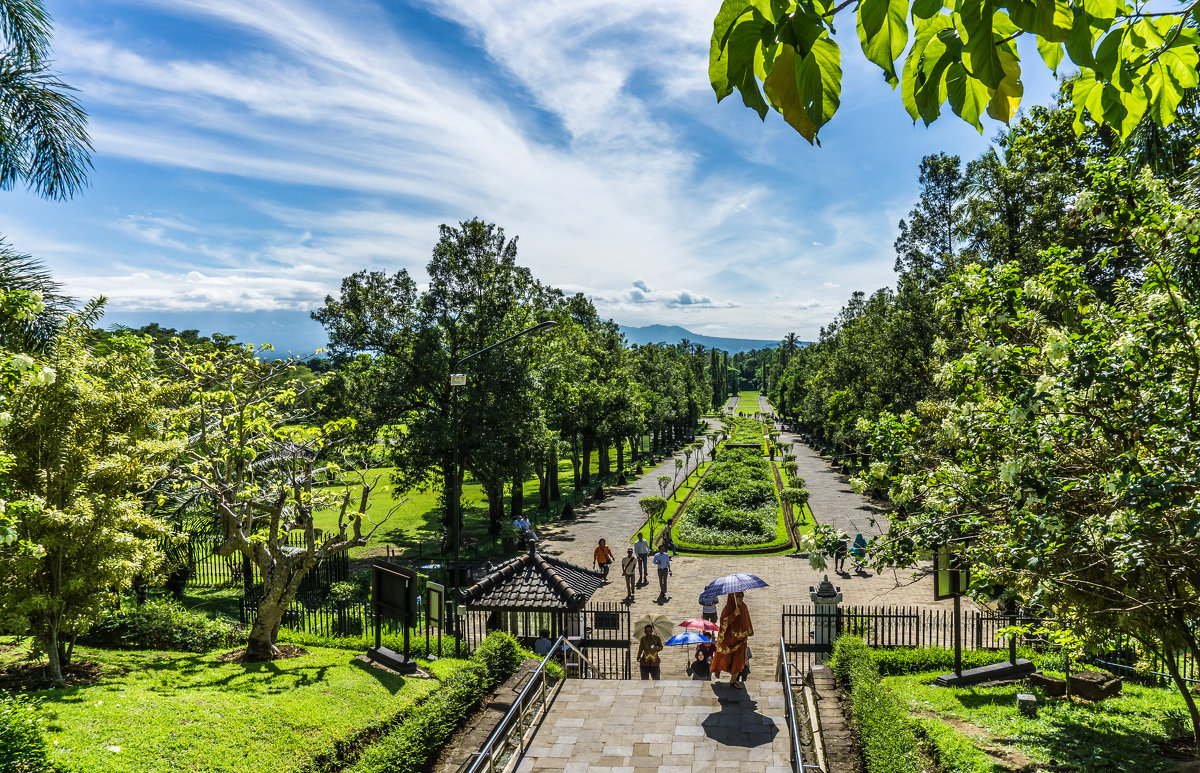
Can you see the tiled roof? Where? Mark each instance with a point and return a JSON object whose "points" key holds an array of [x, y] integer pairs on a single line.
{"points": [[533, 581]]}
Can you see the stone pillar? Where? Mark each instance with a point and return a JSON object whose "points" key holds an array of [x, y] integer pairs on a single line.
{"points": [[825, 598]]}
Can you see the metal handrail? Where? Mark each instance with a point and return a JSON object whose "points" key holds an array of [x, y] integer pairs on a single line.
{"points": [[485, 759], [784, 674]]}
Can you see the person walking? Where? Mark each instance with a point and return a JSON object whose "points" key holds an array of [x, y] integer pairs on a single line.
{"points": [[647, 655], [641, 549], [628, 567], [858, 552], [839, 555], [736, 628], [602, 556], [708, 608], [663, 562]]}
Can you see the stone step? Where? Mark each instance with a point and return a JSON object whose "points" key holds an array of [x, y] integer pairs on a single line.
{"points": [[670, 726]]}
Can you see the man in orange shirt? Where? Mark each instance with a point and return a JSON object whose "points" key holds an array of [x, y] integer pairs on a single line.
{"points": [[602, 557]]}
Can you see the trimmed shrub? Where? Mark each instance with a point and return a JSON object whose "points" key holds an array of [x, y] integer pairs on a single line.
{"points": [[22, 742], [411, 746], [160, 625], [887, 735], [951, 750]]}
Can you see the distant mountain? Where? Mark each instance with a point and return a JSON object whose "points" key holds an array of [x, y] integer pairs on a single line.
{"points": [[287, 331], [297, 333], [673, 334]]}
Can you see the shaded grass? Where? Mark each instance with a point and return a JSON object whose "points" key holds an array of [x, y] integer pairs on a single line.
{"points": [[168, 711], [1121, 733]]}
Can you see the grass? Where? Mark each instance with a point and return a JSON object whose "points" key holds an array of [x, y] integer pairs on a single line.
{"points": [[673, 503], [419, 518], [169, 711], [1119, 734]]}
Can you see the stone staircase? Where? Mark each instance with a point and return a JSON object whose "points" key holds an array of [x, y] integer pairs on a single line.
{"points": [[669, 726]]}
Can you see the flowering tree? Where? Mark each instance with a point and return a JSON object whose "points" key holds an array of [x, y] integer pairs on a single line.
{"points": [[83, 437], [1066, 458], [256, 454]]}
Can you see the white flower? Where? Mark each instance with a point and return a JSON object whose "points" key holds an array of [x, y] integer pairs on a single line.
{"points": [[5, 420], [20, 362], [44, 377], [1058, 346], [1009, 470], [1045, 383]]}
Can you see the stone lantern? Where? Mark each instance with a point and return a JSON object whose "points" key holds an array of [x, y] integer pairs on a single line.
{"points": [[825, 598]]}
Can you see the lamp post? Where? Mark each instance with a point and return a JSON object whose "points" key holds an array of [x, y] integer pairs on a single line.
{"points": [[456, 380]]}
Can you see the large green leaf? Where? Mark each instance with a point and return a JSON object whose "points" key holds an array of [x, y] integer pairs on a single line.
{"points": [[780, 85], [819, 80], [1123, 108], [968, 97], [1050, 20], [718, 62], [1051, 53], [1086, 93], [883, 33], [1006, 98], [925, 9], [979, 44], [926, 31], [744, 45], [930, 91], [1162, 91]]}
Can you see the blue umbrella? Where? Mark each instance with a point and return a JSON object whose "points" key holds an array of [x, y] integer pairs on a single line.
{"points": [[732, 583], [687, 637]]}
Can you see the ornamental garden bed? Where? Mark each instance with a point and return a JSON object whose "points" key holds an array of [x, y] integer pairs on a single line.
{"points": [[735, 508]]}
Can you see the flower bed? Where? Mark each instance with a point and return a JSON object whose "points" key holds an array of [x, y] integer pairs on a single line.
{"points": [[735, 506]]}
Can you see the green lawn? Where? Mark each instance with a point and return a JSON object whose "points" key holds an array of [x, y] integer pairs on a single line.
{"points": [[419, 518], [169, 711], [1118, 734]]}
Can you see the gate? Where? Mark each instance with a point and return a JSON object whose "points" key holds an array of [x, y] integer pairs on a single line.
{"points": [[600, 631]]}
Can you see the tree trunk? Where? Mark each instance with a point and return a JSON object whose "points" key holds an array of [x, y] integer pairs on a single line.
{"points": [[555, 493], [586, 477], [1193, 712], [575, 460], [261, 644], [604, 464], [495, 497], [539, 468], [448, 496], [620, 454], [517, 500]]}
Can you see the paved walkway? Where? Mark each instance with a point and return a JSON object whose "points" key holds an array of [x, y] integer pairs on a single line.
{"points": [[672, 726], [789, 577]]}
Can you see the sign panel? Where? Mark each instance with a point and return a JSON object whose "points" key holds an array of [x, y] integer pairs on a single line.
{"points": [[435, 604], [951, 576], [458, 379]]}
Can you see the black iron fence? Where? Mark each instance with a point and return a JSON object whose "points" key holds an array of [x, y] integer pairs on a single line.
{"points": [[600, 631], [196, 559]]}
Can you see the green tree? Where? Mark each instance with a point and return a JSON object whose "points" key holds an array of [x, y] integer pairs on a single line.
{"points": [[930, 239], [1066, 448], [1133, 63], [653, 507], [254, 453], [84, 436]]}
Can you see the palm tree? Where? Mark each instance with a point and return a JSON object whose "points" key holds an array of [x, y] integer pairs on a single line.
{"points": [[23, 273], [43, 129]]}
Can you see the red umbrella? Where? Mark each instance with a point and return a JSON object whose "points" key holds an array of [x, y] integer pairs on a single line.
{"points": [[703, 625]]}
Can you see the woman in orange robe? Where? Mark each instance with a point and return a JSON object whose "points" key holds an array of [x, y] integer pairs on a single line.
{"points": [[731, 639]]}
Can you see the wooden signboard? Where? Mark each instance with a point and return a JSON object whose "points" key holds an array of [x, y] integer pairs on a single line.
{"points": [[393, 596]]}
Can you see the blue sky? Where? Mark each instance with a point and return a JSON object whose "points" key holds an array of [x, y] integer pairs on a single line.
{"points": [[249, 155]]}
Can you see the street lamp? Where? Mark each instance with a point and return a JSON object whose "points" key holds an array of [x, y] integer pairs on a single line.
{"points": [[456, 380]]}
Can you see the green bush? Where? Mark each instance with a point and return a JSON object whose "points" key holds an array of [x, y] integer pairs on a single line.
{"points": [[411, 746], [22, 743], [886, 734], [161, 625]]}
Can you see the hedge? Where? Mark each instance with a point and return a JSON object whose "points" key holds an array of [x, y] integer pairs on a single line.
{"points": [[735, 505], [914, 660], [22, 742], [161, 625], [887, 736], [410, 747]]}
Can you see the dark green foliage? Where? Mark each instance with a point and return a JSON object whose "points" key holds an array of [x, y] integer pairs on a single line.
{"points": [[22, 743], [886, 734], [411, 746], [735, 504], [160, 625]]}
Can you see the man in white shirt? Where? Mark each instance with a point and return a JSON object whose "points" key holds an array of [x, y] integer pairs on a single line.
{"points": [[526, 528], [641, 549], [663, 561]]}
